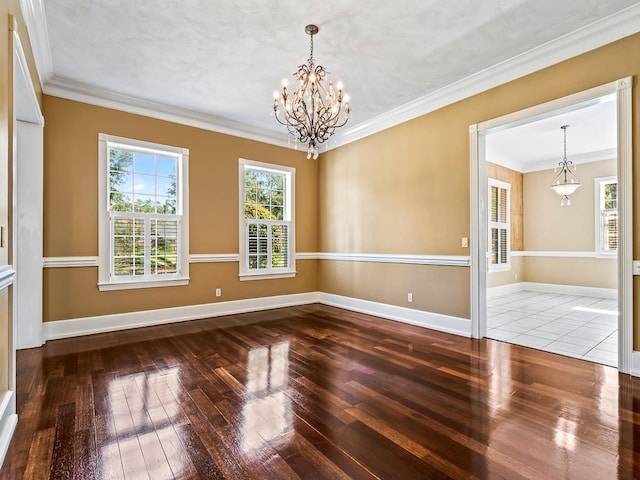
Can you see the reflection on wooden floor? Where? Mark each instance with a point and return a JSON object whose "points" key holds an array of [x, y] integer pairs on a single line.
{"points": [[316, 392]]}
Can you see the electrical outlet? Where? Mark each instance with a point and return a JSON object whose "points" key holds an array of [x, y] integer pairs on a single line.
{"points": [[410, 297], [218, 292]]}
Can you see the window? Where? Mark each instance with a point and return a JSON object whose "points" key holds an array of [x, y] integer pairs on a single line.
{"points": [[606, 216], [499, 225], [143, 220], [267, 235]]}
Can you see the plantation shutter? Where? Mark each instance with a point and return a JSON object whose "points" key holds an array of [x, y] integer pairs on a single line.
{"points": [[499, 224]]}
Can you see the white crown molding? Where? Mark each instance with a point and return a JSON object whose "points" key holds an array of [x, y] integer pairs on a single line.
{"points": [[597, 34], [590, 37], [549, 163], [80, 92], [34, 18]]}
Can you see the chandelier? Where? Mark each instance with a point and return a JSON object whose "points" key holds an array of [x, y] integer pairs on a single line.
{"points": [[566, 182], [312, 112]]}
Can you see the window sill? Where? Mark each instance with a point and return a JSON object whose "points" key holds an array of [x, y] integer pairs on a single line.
{"points": [[501, 268], [266, 276], [131, 285]]}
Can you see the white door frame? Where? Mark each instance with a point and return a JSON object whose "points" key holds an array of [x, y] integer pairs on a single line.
{"points": [[28, 126], [477, 134]]}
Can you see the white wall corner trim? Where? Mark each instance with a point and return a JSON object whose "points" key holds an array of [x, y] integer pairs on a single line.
{"points": [[8, 422], [447, 260], [63, 262], [434, 321], [122, 321]]}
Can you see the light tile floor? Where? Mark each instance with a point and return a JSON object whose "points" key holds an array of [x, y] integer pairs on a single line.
{"points": [[571, 325]]}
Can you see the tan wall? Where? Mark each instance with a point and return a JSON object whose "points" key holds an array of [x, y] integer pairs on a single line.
{"points": [[390, 283], [550, 227], [406, 189], [71, 209], [515, 274], [583, 272], [513, 178]]}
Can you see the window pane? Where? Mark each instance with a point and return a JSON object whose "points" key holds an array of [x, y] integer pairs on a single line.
{"points": [[144, 203], [494, 246], [493, 210], [128, 246], [502, 208], [263, 191], [503, 247], [123, 266], [611, 195], [279, 246], [119, 202], [167, 166], [610, 231], [145, 163], [147, 183], [120, 160], [164, 241]]}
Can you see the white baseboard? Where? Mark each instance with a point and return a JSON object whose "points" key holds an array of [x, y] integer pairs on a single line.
{"points": [[434, 321], [109, 323], [508, 289], [8, 421], [122, 321], [552, 288], [635, 364]]}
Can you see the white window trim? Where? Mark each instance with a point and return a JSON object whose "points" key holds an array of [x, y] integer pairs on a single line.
{"points": [[105, 282], [503, 267], [599, 251], [245, 273]]}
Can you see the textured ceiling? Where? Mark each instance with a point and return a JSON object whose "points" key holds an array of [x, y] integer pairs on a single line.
{"points": [[591, 136], [226, 58]]}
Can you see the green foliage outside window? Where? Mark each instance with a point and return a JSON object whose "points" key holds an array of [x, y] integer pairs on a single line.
{"points": [[264, 200], [149, 189]]}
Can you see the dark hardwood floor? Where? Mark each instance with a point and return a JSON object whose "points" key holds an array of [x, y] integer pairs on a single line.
{"points": [[316, 392]]}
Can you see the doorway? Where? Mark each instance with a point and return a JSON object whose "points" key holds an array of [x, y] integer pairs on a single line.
{"points": [[540, 300]]}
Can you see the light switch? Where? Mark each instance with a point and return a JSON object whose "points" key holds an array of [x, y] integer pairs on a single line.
{"points": [[465, 242], [636, 267]]}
